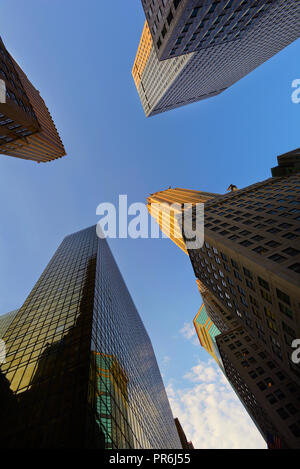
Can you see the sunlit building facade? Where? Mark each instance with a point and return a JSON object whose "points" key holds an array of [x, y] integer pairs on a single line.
{"points": [[199, 49], [166, 207], [27, 130], [250, 261], [79, 355], [248, 274]]}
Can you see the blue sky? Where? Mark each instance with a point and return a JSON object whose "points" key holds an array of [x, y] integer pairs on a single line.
{"points": [[79, 55]]}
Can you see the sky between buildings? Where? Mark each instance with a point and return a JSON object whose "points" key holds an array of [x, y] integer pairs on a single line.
{"points": [[79, 55]]}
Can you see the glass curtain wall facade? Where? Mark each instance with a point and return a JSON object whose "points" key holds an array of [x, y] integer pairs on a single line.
{"points": [[207, 332], [80, 370], [5, 321]]}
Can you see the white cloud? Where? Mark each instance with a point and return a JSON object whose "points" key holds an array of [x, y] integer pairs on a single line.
{"points": [[211, 413], [189, 333], [202, 373]]}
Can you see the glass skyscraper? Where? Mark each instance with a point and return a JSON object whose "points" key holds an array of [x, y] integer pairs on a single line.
{"points": [[5, 321], [80, 370]]}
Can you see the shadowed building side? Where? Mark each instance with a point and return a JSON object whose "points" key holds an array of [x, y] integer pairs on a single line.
{"points": [[248, 275], [183, 439]]}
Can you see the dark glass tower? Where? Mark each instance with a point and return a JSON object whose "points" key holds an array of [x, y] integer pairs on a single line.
{"points": [[80, 370], [5, 321]]}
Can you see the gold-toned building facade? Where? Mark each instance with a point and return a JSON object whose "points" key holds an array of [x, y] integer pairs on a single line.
{"points": [[207, 333], [27, 130], [166, 207], [248, 275], [142, 55], [200, 49]]}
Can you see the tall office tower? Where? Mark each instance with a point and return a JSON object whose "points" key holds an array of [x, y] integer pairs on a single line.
{"points": [[26, 128], [183, 439], [166, 208], [250, 259], [223, 320], [5, 321], [207, 332], [248, 269], [266, 391], [209, 336], [79, 355], [208, 46]]}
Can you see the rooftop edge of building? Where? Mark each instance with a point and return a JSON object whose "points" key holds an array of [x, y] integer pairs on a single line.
{"points": [[288, 164]]}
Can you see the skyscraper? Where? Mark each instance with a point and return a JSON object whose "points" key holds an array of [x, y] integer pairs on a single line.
{"points": [[26, 128], [193, 50], [248, 274], [252, 258], [167, 206], [183, 439], [78, 354], [207, 332], [266, 391], [5, 321]]}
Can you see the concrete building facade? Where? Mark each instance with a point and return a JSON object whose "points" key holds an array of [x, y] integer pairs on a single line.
{"points": [[216, 58]]}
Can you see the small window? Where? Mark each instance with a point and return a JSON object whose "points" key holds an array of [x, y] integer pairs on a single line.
{"points": [[247, 273], [295, 429], [246, 243], [295, 268], [169, 17], [195, 12], [277, 258], [272, 244], [263, 283], [260, 250], [291, 252], [283, 296], [257, 238], [282, 413], [261, 385], [237, 275]]}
